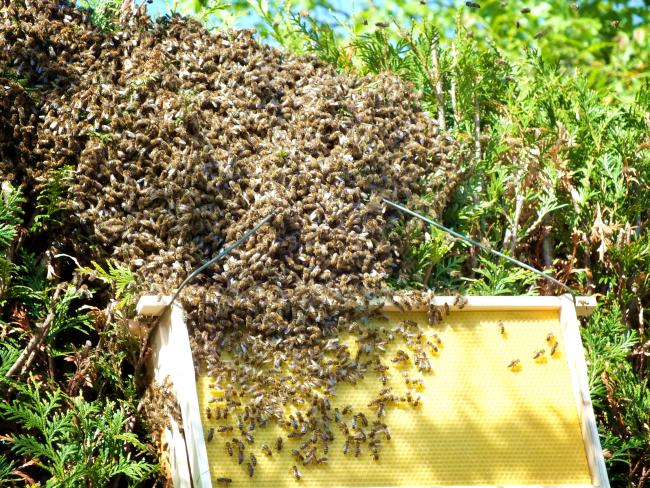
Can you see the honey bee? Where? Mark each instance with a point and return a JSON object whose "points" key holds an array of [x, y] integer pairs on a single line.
{"points": [[240, 455], [267, 450], [375, 445], [251, 469], [554, 349], [364, 419], [381, 411], [525, 10], [278, 444], [225, 428], [229, 449], [433, 315], [550, 338], [208, 412], [400, 357], [460, 301], [253, 459], [473, 5], [538, 354], [417, 384], [296, 473], [224, 481], [433, 347], [502, 328], [515, 363], [347, 410], [346, 446], [541, 33], [210, 434]]}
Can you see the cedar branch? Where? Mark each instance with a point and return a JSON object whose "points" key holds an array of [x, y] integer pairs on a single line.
{"points": [[38, 336]]}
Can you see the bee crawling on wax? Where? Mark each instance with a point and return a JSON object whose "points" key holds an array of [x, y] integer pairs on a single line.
{"points": [[433, 347], [267, 450], [224, 481], [400, 357], [210, 434], [298, 455], [515, 365], [502, 329], [251, 469], [550, 338], [539, 355], [554, 349], [460, 301], [296, 473]]}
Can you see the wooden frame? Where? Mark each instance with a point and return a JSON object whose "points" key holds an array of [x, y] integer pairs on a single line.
{"points": [[172, 357]]}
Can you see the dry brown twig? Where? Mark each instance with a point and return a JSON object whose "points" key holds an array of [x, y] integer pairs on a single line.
{"points": [[434, 76], [438, 86], [29, 353], [452, 81]]}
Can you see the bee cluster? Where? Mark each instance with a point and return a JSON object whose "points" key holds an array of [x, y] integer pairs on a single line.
{"points": [[181, 139], [267, 384]]}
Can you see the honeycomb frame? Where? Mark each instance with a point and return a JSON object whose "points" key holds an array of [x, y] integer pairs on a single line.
{"points": [[188, 457]]}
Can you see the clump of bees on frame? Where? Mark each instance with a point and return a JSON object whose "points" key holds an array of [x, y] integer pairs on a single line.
{"points": [[254, 387], [180, 140]]}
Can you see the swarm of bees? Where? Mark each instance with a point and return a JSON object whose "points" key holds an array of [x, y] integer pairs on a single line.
{"points": [[305, 382], [180, 140]]}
